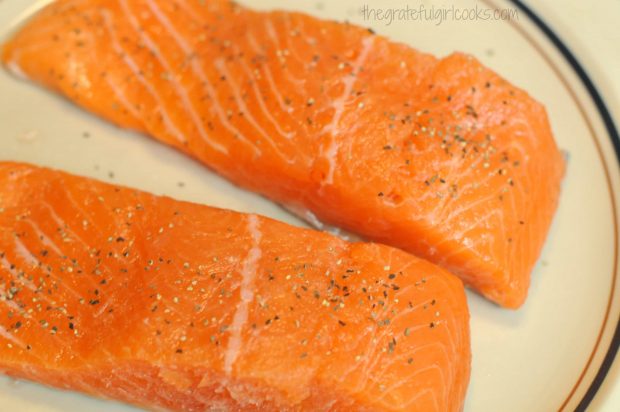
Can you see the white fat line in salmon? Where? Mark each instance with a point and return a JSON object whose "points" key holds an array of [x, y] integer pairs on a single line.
{"points": [[248, 273]]}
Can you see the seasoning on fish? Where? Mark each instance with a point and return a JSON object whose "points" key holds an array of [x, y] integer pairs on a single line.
{"points": [[219, 310], [440, 157]]}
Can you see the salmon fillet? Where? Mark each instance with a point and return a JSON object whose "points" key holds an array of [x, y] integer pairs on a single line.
{"points": [[440, 157], [166, 304]]}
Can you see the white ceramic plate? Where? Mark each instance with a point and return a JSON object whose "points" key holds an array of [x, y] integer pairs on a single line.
{"points": [[551, 354]]}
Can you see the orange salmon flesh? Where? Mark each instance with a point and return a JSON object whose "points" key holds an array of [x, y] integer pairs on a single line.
{"points": [[172, 305], [439, 157]]}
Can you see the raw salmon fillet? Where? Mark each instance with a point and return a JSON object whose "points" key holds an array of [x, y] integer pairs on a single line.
{"points": [[172, 305], [440, 157]]}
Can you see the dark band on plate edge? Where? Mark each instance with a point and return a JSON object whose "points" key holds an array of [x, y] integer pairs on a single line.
{"points": [[612, 131]]}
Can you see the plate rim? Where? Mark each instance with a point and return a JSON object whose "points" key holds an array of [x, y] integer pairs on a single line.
{"points": [[612, 132]]}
